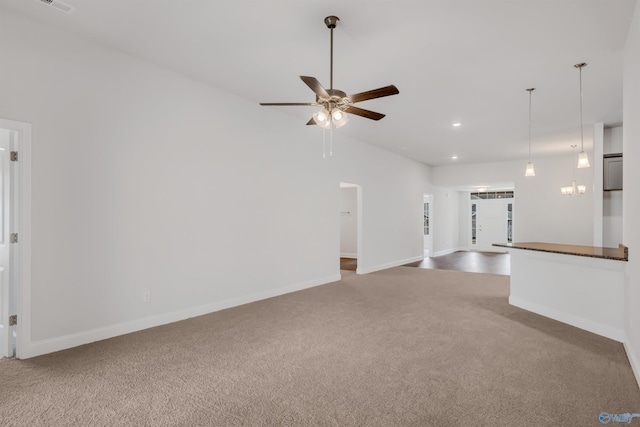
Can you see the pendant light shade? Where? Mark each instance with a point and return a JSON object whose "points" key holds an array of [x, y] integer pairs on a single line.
{"points": [[583, 159], [529, 171]]}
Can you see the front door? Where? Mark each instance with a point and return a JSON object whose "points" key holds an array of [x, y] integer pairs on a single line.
{"points": [[491, 224]]}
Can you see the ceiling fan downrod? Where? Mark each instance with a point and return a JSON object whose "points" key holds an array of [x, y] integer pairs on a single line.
{"points": [[331, 22]]}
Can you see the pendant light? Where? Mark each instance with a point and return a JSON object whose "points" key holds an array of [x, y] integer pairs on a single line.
{"points": [[529, 171], [583, 159]]}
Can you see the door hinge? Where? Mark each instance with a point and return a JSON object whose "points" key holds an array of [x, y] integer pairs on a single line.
{"points": [[14, 156], [13, 238], [13, 320]]}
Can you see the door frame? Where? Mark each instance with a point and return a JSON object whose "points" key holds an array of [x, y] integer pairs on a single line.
{"points": [[358, 187], [21, 212]]}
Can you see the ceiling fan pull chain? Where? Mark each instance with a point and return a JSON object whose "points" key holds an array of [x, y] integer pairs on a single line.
{"points": [[324, 144], [331, 141]]}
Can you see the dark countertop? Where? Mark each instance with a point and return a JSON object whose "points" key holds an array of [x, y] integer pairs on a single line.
{"points": [[621, 253]]}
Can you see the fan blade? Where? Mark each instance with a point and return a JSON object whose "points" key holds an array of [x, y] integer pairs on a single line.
{"points": [[315, 86], [375, 93], [311, 122], [288, 103], [364, 113]]}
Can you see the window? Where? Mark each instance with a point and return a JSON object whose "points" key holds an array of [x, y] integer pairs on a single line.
{"points": [[473, 223], [485, 195], [510, 223], [426, 218]]}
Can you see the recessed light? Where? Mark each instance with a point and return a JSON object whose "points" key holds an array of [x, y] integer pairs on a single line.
{"points": [[456, 124], [454, 157]]}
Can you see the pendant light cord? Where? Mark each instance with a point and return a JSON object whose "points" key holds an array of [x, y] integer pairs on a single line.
{"points": [[579, 67], [581, 131], [530, 90]]}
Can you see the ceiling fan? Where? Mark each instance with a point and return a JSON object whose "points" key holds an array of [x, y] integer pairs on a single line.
{"points": [[336, 103]]}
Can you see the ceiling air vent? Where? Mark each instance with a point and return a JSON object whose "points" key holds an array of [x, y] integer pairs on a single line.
{"points": [[63, 7]]}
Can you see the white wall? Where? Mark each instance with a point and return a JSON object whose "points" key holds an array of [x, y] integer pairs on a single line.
{"points": [[392, 192], [541, 213], [144, 180], [349, 222], [612, 219], [445, 220], [613, 140], [464, 219], [631, 202]]}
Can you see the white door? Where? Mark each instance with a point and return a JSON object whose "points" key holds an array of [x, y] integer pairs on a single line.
{"points": [[6, 290], [491, 224]]}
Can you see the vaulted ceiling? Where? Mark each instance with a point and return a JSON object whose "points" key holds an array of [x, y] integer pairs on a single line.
{"points": [[466, 61]]}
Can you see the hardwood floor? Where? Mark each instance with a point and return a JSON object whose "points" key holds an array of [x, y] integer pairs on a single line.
{"points": [[348, 264], [469, 261]]}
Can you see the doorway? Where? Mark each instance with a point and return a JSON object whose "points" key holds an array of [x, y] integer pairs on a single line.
{"points": [[15, 157], [349, 226]]}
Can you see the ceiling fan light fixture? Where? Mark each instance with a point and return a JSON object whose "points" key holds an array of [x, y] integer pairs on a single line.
{"points": [[322, 119], [339, 118]]}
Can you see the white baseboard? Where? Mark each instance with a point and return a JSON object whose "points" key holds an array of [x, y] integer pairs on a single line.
{"points": [[365, 270], [38, 348], [348, 255], [448, 251], [633, 361], [579, 322]]}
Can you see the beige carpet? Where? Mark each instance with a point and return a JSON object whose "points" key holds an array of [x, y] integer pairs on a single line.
{"points": [[401, 347]]}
